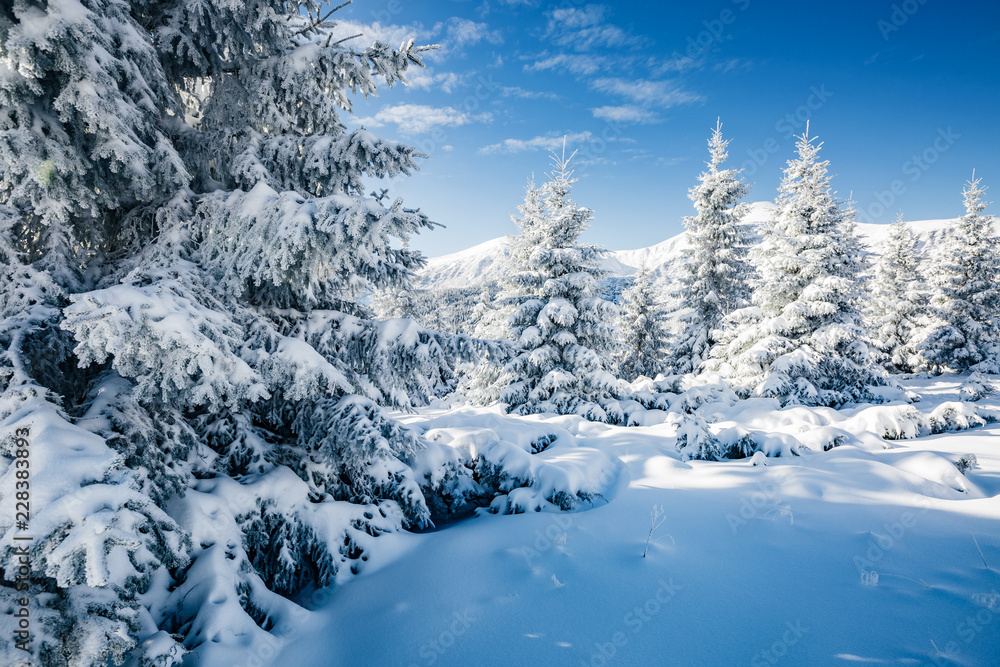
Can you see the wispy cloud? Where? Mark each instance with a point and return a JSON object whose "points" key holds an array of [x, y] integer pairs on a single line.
{"points": [[549, 142], [458, 33], [517, 91], [641, 154], [583, 29], [659, 93], [626, 114], [422, 79], [576, 64], [731, 64], [419, 118]]}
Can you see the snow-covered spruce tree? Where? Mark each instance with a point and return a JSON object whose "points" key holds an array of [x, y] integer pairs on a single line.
{"points": [[500, 299], [802, 340], [716, 274], [563, 330], [183, 233], [491, 317], [965, 295], [643, 334], [896, 308]]}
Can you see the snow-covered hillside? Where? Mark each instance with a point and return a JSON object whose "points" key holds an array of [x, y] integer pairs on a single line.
{"points": [[480, 264]]}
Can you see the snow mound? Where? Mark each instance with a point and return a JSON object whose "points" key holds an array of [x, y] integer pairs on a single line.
{"points": [[505, 465]]}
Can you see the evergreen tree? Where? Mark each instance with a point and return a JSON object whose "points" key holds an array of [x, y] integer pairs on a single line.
{"points": [[643, 333], [393, 303], [183, 236], [965, 298], [802, 341], [562, 328], [896, 307], [716, 273], [498, 301]]}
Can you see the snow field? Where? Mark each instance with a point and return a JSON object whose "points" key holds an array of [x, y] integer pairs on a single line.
{"points": [[874, 552]]}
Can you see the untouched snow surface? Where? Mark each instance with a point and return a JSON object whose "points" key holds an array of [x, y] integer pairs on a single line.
{"points": [[873, 552]]}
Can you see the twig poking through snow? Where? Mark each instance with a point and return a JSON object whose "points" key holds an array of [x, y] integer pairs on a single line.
{"points": [[656, 519], [980, 551]]}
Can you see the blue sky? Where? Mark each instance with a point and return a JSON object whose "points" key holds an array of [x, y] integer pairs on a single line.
{"points": [[904, 94]]}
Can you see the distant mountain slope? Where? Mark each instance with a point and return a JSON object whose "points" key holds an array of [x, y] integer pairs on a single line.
{"points": [[479, 264]]}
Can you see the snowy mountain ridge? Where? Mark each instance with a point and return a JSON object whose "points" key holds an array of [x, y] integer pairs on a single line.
{"points": [[480, 263]]}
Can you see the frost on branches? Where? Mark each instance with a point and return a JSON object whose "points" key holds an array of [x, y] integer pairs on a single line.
{"points": [[716, 273], [896, 309], [563, 330], [965, 297], [802, 340], [184, 241]]}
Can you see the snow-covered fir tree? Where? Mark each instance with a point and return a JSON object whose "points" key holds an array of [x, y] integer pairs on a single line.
{"points": [[965, 295], [394, 301], [498, 300], [802, 341], [643, 334], [716, 274], [896, 307], [183, 238], [563, 330]]}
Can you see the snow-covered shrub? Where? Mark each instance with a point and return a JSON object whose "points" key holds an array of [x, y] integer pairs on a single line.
{"points": [[976, 387], [505, 465], [694, 396], [966, 462], [736, 443], [522, 483], [954, 416], [892, 422], [696, 441]]}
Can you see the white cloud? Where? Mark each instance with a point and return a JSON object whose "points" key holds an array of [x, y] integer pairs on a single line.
{"points": [[422, 79], [626, 114], [517, 91], [733, 64], [676, 63], [577, 64], [458, 33], [658, 93], [549, 142], [419, 118], [586, 28], [571, 17]]}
